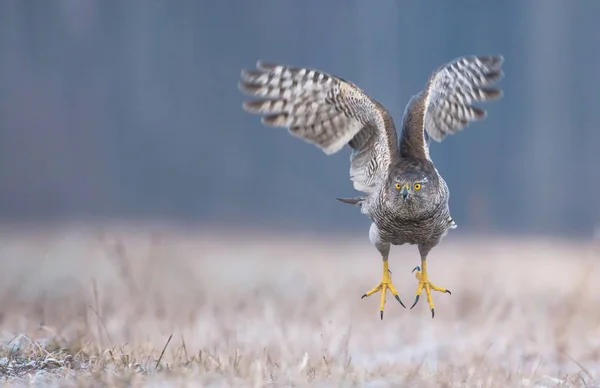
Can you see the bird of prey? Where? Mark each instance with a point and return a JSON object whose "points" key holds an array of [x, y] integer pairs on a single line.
{"points": [[404, 195]]}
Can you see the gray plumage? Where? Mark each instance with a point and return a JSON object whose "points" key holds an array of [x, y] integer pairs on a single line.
{"points": [[405, 196]]}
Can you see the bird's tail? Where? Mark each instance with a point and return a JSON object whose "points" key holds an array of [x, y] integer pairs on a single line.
{"points": [[352, 201]]}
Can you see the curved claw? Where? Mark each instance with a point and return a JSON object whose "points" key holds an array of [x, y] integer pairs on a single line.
{"points": [[364, 296], [417, 268], [398, 299], [448, 292], [416, 300], [381, 314], [432, 313]]}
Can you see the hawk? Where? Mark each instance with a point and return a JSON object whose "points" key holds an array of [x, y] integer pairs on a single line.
{"points": [[404, 195]]}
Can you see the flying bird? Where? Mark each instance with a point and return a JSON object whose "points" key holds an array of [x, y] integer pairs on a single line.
{"points": [[403, 193]]}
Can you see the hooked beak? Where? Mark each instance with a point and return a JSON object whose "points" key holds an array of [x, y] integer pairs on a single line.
{"points": [[404, 192]]}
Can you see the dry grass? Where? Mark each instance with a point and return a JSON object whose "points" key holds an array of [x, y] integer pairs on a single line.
{"points": [[87, 308]]}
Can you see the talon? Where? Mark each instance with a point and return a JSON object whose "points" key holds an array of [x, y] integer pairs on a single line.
{"points": [[425, 284], [399, 301], [416, 300], [417, 268], [383, 286]]}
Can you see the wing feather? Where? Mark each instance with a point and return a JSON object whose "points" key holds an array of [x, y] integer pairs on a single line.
{"points": [[445, 106], [328, 112]]}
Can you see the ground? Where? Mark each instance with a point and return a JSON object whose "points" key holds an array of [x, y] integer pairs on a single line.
{"points": [[84, 306]]}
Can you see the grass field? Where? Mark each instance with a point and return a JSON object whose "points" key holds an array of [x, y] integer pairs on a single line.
{"points": [[81, 307]]}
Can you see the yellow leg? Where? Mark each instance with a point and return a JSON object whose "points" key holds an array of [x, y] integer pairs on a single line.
{"points": [[383, 286], [424, 283]]}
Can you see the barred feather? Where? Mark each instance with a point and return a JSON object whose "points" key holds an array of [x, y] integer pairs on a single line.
{"points": [[445, 106], [453, 89], [328, 112]]}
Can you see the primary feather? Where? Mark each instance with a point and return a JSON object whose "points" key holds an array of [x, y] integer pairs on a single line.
{"points": [[328, 112], [445, 106]]}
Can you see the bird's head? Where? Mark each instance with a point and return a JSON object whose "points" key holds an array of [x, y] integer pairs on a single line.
{"points": [[411, 188]]}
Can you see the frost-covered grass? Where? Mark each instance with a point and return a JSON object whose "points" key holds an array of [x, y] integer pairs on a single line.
{"points": [[80, 307]]}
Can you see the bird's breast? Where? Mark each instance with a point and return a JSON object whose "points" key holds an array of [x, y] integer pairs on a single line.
{"points": [[406, 229]]}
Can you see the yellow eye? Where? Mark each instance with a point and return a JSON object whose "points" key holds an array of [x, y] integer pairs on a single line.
{"points": [[417, 186], [398, 186]]}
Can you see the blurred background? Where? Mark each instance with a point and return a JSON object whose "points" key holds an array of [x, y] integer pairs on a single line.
{"points": [[118, 115], [130, 110]]}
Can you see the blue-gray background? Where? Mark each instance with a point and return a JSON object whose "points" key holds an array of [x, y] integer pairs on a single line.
{"points": [[130, 109]]}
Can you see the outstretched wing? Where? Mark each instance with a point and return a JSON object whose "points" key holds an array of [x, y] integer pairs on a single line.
{"points": [[328, 112], [444, 107]]}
